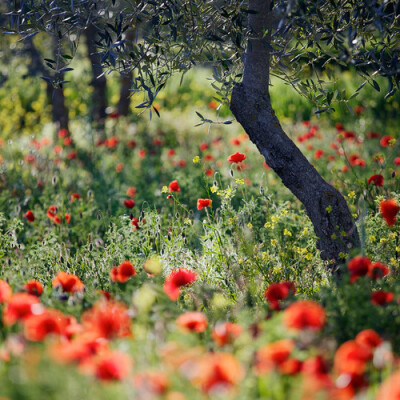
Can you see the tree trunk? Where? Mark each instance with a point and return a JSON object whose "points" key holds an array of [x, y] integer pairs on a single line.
{"points": [[55, 96], [251, 105], [99, 82], [126, 78]]}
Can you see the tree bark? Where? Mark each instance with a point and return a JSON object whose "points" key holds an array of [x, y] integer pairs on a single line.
{"points": [[55, 96], [99, 82], [126, 79], [251, 105]]}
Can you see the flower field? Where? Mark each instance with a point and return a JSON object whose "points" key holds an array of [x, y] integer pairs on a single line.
{"points": [[167, 261]]}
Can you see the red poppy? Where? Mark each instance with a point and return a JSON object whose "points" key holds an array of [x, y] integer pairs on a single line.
{"points": [[212, 104], [177, 279], [142, 153], [235, 141], [390, 388], [51, 212], [318, 154], [377, 180], [33, 287], [225, 333], [278, 291], [123, 272], [80, 349], [209, 172], [351, 358], [19, 307], [119, 167], [304, 314], [389, 209], [29, 216], [377, 270], [373, 135], [292, 366], [380, 298], [111, 142], [5, 291], [75, 196], [204, 146], [358, 267], [387, 141], [171, 152], [38, 326], [62, 133], [273, 354], [217, 373], [315, 366], [182, 163], [131, 191], [237, 157], [157, 142], [174, 186], [113, 366], [71, 155], [129, 203], [358, 109], [396, 161], [107, 319], [67, 141], [67, 218], [192, 321], [202, 203], [369, 338], [135, 223], [69, 283]]}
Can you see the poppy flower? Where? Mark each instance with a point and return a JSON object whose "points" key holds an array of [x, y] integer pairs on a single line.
{"points": [[389, 209], [377, 270], [202, 203], [131, 191], [33, 287], [304, 314], [358, 109], [358, 267], [119, 167], [67, 141], [373, 135], [19, 307], [192, 321], [273, 354], [29, 216], [369, 338], [5, 291], [315, 365], [113, 366], [376, 180], [171, 153], [129, 203], [351, 358], [177, 279], [107, 319], [62, 133], [380, 298], [135, 223], [204, 146], [69, 283], [217, 373], [123, 272], [390, 388], [38, 326], [237, 157], [225, 333], [387, 141], [174, 187], [278, 291], [67, 218], [396, 161], [292, 366], [71, 155], [75, 196], [51, 212], [318, 154], [111, 142]]}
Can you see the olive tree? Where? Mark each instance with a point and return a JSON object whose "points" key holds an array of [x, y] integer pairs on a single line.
{"points": [[245, 42]]}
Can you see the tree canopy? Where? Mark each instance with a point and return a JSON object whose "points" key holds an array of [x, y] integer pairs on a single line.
{"points": [[307, 40]]}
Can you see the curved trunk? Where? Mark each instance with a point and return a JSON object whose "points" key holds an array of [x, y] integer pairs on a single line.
{"points": [[251, 105]]}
